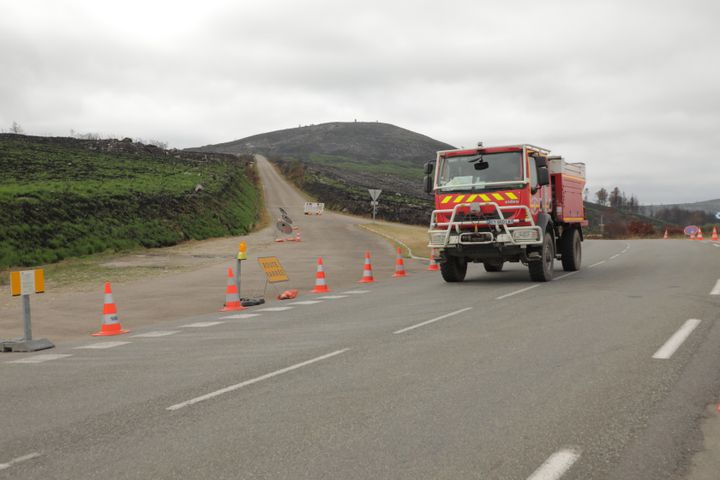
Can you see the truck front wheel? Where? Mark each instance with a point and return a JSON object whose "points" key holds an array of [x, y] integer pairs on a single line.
{"points": [[571, 250], [453, 269], [543, 270]]}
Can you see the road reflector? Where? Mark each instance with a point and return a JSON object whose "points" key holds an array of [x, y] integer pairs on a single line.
{"points": [[274, 271]]}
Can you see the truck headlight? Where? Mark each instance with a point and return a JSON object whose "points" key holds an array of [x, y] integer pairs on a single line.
{"points": [[437, 238], [525, 235]]}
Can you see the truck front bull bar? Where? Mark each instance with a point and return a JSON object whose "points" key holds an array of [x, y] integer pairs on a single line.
{"points": [[497, 223]]}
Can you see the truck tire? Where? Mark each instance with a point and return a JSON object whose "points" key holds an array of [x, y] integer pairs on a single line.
{"points": [[543, 270], [453, 269], [496, 266], [571, 250]]}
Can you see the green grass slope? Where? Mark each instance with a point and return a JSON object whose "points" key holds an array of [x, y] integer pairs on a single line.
{"points": [[63, 197]]}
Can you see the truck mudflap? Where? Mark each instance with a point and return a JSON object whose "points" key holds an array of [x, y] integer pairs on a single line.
{"points": [[451, 232]]}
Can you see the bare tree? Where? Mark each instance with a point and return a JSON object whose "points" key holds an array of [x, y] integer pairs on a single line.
{"points": [[602, 196], [16, 128]]}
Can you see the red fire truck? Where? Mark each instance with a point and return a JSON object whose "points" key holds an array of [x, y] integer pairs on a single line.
{"points": [[505, 204]]}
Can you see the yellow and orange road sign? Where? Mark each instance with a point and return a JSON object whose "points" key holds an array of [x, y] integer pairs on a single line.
{"points": [[274, 271], [27, 282]]}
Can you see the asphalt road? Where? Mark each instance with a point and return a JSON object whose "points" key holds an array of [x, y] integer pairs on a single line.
{"points": [[403, 379]]}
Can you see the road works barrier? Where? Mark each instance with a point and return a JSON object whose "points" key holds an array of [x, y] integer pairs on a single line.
{"points": [[110, 321], [313, 208], [367, 276], [232, 297], [320, 283], [399, 265]]}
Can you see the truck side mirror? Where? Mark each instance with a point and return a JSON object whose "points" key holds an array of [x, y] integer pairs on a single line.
{"points": [[428, 183], [543, 176], [428, 168]]}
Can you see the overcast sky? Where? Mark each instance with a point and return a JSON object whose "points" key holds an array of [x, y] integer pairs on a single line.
{"points": [[629, 87]]}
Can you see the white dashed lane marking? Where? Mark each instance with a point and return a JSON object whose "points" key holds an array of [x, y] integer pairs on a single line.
{"points": [[267, 376], [333, 297], [42, 358], [200, 324], [433, 320], [556, 465], [102, 345], [307, 302], [241, 315], [596, 264], [517, 291], [674, 342], [157, 333], [716, 289], [565, 275], [15, 461], [274, 309], [615, 256], [357, 292]]}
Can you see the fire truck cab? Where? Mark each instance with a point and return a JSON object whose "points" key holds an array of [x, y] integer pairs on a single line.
{"points": [[505, 204]]}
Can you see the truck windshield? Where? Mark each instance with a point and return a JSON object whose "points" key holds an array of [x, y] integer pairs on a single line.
{"points": [[480, 171]]}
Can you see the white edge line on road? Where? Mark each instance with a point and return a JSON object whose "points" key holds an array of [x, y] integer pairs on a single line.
{"points": [[615, 256], [237, 386], [556, 465], [14, 461], [239, 315], [433, 320], [155, 334], [102, 345], [307, 302], [674, 342], [332, 297], [274, 309], [716, 289], [201, 324], [566, 275], [517, 291], [46, 357], [596, 264]]}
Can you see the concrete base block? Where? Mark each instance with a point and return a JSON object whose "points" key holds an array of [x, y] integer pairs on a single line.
{"points": [[26, 345]]}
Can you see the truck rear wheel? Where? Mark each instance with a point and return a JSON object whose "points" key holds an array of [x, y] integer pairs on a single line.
{"points": [[453, 269], [543, 270], [493, 266], [571, 250]]}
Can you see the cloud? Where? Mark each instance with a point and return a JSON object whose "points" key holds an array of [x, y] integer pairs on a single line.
{"points": [[628, 87]]}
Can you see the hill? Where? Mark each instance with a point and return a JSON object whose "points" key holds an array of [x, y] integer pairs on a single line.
{"points": [[708, 206], [63, 197], [337, 162]]}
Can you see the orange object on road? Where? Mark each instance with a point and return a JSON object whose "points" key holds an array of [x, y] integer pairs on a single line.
{"points": [[433, 267], [714, 237], [110, 323], [665, 237], [399, 265], [288, 295], [692, 236], [699, 235], [367, 276], [320, 283], [232, 297]]}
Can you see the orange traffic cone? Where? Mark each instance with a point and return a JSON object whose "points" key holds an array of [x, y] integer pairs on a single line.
{"points": [[714, 237], [399, 265], [320, 283], [297, 236], [665, 237], [699, 235], [367, 276], [111, 324], [232, 297], [433, 267]]}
